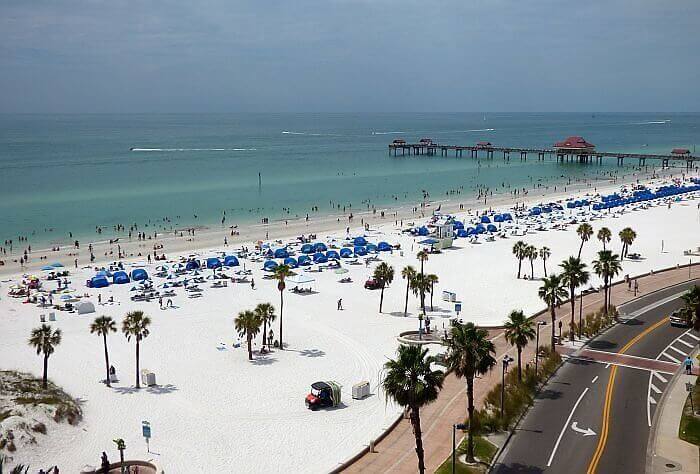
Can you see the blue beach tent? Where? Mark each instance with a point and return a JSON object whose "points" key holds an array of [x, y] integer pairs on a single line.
{"points": [[384, 247], [485, 220], [291, 262], [304, 260], [213, 262], [345, 252], [320, 247], [491, 228], [359, 241], [269, 265], [139, 274], [99, 281], [320, 258], [332, 255], [360, 250], [371, 248], [457, 225], [462, 233], [231, 261], [281, 253], [192, 265], [307, 249], [120, 278]]}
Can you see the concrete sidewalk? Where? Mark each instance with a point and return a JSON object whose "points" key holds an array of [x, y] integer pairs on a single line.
{"points": [[667, 452]]}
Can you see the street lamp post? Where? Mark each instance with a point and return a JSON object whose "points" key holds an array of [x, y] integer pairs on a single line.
{"points": [[580, 317], [455, 427], [506, 360], [537, 344]]}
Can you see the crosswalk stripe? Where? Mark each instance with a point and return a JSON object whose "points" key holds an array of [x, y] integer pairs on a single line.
{"points": [[685, 343], [654, 388], [658, 375], [652, 401], [665, 354], [677, 350], [693, 336]]}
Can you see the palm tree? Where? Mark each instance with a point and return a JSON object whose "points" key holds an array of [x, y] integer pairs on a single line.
{"points": [[102, 326], [266, 313], [412, 383], [574, 274], [281, 273], [248, 324], [607, 267], [44, 340], [604, 235], [520, 252], [432, 280], [384, 275], [470, 353], [552, 293], [691, 299], [420, 285], [422, 257], [408, 273], [627, 236], [519, 330], [135, 325], [584, 231], [545, 253], [532, 256]]}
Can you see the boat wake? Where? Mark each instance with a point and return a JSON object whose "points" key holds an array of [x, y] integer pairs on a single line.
{"points": [[652, 122], [192, 149]]}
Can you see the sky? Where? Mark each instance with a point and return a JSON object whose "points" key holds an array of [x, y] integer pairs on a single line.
{"points": [[69, 56]]}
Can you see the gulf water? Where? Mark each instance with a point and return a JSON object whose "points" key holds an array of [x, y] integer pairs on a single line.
{"points": [[71, 173]]}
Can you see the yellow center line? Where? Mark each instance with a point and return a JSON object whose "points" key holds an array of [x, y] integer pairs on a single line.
{"points": [[608, 398]]}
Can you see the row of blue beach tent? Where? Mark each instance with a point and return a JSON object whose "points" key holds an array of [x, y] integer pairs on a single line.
{"points": [[614, 200], [578, 203], [479, 229], [506, 217], [101, 278], [537, 210], [319, 257]]}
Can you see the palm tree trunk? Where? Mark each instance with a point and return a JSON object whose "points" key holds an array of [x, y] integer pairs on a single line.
{"points": [[605, 294], [381, 299], [405, 308], [573, 321], [138, 384], [45, 379], [432, 290], [554, 321], [532, 269], [520, 367], [520, 265], [264, 334], [109, 382], [580, 249], [415, 421], [250, 347], [281, 308], [470, 413], [544, 266]]}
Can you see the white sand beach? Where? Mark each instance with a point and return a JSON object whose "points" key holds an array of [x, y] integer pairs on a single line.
{"points": [[213, 410]]}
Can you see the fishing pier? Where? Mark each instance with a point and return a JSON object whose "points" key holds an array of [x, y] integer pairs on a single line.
{"points": [[572, 149]]}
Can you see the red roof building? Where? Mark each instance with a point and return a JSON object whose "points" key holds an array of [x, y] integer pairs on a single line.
{"points": [[680, 151], [576, 144]]}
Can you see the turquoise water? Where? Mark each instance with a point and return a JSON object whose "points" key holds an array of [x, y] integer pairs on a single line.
{"points": [[71, 173]]}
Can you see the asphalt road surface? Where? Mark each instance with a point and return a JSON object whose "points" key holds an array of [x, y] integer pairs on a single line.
{"points": [[595, 416]]}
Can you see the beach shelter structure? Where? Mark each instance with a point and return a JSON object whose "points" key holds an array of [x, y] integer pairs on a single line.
{"points": [[139, 274], [120, 278], [231, 261], [291, 262], [345, 252], [269, 265], [300, 279], [457, 225], [333, 255], [281, 253], [491, 228], [47, 268], [320, 258], [384, 247], [304, 260], [360, 250], [430, 242], [99, 281], [485, 220], [307, 249], [191, 265], [57, 265], [213, 262], [359, 241], [371, 248], [320, 247], [85, 307], [462, 233], [423, 231]]}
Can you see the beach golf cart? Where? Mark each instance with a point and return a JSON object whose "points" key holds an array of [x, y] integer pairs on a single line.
{"points": [[323, 394]]}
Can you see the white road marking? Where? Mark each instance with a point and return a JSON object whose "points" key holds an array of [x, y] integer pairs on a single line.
{"points": [[665, 354], [566, 425], [594, 379], [652, 402], [649, 399], [654, 388], [685, 343], [692, 335], [586, 432], [677, 350], [607, 366], [658, 375]]}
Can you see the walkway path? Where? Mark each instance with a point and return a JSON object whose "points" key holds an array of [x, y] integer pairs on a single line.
{"points": [[396, 452]]}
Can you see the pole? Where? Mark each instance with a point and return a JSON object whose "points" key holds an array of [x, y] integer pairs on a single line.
{"points": [[454, 447], [537, 348], [580, 317], [503, 386]]}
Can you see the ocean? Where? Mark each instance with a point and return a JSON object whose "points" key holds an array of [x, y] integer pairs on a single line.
{"points": [[72, 173]]}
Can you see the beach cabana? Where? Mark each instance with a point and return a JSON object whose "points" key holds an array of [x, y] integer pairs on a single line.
{"points": [[291, 262], [231, 261], [423, 231], [120, 278], [345, 252], [462, 233], [281, 253], [360, 250], [371, 248], [430, 242], [470, 231], [485, 220], [99, 281], [213, 262], [307, 249], [457, 225], [491, 228], [359, 241], [507, 217], [191, 265], [480, 229], [384, 247], [333, 255], [269, 265], [139, 274], [85, 307], [304, 260], [320, 247], [320, 258], [498, 218]]}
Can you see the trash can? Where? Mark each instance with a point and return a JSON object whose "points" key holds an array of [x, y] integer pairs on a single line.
{"points": [[148, 378], [360, 390]]}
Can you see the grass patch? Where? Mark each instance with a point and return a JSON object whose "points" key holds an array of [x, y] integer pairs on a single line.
{"points": [[484, 450], [5, 414], [25, 389], [689, 429]]}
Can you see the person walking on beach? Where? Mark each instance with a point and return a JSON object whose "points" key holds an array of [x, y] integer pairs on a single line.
{"points": [[688, 363], [340, 304], [252, 284]]}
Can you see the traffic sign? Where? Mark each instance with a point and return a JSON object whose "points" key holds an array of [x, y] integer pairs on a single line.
{"points": [[458, 308], [146, 429]]}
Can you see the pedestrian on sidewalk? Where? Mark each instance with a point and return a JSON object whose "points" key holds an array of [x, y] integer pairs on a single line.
{"points": [[340, 304], [688, 363]]}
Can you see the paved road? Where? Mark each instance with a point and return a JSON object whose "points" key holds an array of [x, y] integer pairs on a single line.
{"points": [[594, 416]]}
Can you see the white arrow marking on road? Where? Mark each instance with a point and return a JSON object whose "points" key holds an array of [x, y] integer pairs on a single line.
{"points": [[586, 432], [566, 425]]}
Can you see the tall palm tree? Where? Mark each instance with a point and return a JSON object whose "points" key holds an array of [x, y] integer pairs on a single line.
{"points": [[532, 256], [519, 330], [470, 353], [432, 280], [266, 313], [420, 285], [607, 266], [520, 252], [44, 340], [248, 324], [691, 299], [384, 275], [281, 273], [552, 293], [412, 383], [408, 273], [422, 257], [627, 236], [103, 325], [573, 274], [545, 253], [584, 231], [604, 235], [136, 325]]}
